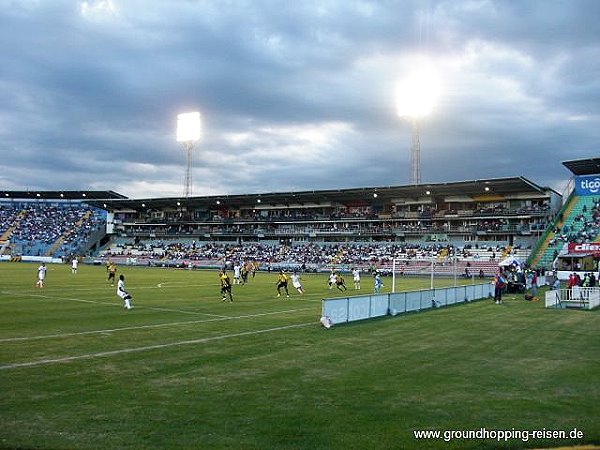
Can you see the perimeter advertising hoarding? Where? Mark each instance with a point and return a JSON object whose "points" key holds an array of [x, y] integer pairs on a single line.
{"points": [[589, 185], [584, 249]]}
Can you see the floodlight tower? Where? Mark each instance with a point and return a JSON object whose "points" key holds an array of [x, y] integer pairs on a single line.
{"points": [[415, 98], [188, 133]]}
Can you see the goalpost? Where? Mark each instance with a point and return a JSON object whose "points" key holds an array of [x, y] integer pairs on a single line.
{"points": [[432, 267]]}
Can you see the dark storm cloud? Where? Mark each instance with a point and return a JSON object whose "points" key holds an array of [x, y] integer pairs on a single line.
{"points": [[293, 95]]}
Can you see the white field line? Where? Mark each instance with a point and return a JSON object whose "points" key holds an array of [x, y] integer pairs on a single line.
{"points": [[149, 347], [152, 308], [131, 287], [143, 327]]}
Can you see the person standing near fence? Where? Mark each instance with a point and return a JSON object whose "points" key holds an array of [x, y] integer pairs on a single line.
{"points": [[534, 283], [571, 283], [499, 284]]}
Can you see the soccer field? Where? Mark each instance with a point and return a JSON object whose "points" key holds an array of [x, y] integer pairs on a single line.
{"points": [[183, 370]]}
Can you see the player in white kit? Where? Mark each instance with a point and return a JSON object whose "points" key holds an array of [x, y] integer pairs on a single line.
{"points": [[121, 292], [237, 270], [41, 276], [296, 283], [356, 278], [332, 278]]}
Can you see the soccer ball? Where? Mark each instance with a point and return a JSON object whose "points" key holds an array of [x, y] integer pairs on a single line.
{"points": [[326, 322]]}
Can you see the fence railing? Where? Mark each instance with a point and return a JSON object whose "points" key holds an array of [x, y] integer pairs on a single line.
{"points": [[351, 309], [576, 297]]}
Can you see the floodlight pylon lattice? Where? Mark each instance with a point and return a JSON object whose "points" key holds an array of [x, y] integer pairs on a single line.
{"points": [[416, 95], [415, 155], [187, 182], [188, 132]]}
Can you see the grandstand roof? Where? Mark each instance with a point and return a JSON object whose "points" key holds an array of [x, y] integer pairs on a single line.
{"points": [[588, 166], [365, 195], [60, 195]]}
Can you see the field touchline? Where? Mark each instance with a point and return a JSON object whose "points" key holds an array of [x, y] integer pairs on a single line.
{"points": [[150, 347]]}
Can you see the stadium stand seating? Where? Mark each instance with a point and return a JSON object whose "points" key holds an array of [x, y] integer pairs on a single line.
{"points": [[473, 224], [49, 229], [578, 222], [413, 259]]}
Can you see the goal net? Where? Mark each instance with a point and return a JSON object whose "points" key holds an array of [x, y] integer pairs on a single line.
{"points": [[440, 271]]}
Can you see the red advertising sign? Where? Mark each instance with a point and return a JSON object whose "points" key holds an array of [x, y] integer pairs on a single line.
{"points": [[585, 249]]}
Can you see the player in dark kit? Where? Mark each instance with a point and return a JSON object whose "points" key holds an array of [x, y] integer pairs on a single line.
{"points": [[245, 271], [339, 282], [225, 286], [282, 282], [112, 270]]}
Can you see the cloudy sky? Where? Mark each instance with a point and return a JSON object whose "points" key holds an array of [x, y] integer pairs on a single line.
{"points": [[293, 95]]}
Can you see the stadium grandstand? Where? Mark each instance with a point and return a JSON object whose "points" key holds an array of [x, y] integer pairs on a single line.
{"points": [[479, 222], [571, 243], [51, 224], [474, 223]]}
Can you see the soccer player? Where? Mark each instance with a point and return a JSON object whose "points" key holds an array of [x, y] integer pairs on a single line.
{"points": [[282, 282], [225, 286], [41, 276], [237, 269], [112, 270], [356, 278], [339, 282], [332, 279], [378, 283], [245, 271], [74, 264], [121, 292], [296, 283]]}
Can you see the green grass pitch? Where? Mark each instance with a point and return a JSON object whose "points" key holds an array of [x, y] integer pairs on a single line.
{"points": [[183, 370]]}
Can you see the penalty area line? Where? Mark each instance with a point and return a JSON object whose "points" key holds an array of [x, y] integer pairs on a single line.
{"points": [[149, 347]]}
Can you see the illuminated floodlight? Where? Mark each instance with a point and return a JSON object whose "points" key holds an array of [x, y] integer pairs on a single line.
{"points": [[416, 96], [188, 127], [188, 133]]}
